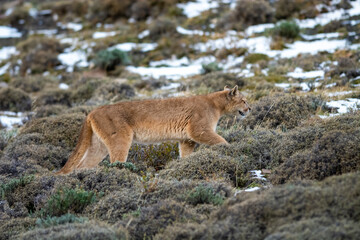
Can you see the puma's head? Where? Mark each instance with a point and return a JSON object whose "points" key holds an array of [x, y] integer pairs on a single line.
{"points": [[237, 102]]}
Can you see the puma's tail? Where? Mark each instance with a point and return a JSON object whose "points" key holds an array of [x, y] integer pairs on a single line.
{"points": [[83, 144]]}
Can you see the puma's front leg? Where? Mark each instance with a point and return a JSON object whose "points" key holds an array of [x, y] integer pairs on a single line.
{"points": [[186, 147], [208, 136]]}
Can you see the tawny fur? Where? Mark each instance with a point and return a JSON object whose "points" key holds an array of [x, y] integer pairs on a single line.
{"points": [[189, 120]]}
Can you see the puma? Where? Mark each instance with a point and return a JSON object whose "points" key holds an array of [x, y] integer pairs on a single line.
{"points": [[111, 129]]}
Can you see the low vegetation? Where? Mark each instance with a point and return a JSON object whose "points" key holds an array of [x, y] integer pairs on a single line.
{"points": [[299, 156]]}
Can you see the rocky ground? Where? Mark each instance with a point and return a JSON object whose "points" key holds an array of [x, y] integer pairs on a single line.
{"points": [[291, 170]]}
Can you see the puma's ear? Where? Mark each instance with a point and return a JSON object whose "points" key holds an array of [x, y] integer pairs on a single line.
{"points": [[226, 87], [234, 91]]}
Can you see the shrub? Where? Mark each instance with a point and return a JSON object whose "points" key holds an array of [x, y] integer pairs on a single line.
{"points": [[179, 190], [54, 221], [39, 54], [346, 66], [285, 9], [76, 231], [256, 57], [107, 180], [110, 10], [153, 155], [33, 148], [162, 27], [287, 29], [109, 59], [29, 195], [6, 188], [120, 165], [11, 228], [29, 84], [156, 217], [202, 194], [204, 165], [141, 9], [54, 96], [16, 100], [49, 110], [112, 92], [284, 111], [115, 205], [282, 209], [84, 89], [68, 200], [5, 137], [215, 81], [62, 130], [247, 13], [211, 67], [333, 154]]}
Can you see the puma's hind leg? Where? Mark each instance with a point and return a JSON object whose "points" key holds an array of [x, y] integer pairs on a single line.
{"points": [[119, 144], [186, 147], [94, 154]]}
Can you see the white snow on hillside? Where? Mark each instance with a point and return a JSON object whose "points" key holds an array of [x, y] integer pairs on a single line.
{"points": [[6, 52], [9, 32]]}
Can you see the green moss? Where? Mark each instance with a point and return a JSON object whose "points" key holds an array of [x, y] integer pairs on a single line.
{"points": [[256, 57]]}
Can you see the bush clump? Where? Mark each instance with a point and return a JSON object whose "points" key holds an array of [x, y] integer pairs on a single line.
{"points": [[204, 165], [334, 153], [39, 54], [153, 155], [286, 29], [285, 9], [9, 187], [68, 200], [215, 81], [112, 92], [76, 231], [270, 213], [115, 205], [54, 96], [45, 142], [162, 27], [109, 59], [202, 194], [54, 221], [256, 57], [156, 217], [247, 13], [284, 111], [211, 67], [15, 100]]}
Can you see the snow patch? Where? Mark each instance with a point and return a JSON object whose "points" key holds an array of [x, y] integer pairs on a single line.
{"points": [[98, 35], [4, 68], [334, 94], [72, 59], [258, 28], [8, 119], [9, 32], [63, 86], [299, 73], [6, 52], [193, 9], [126, 47]]}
